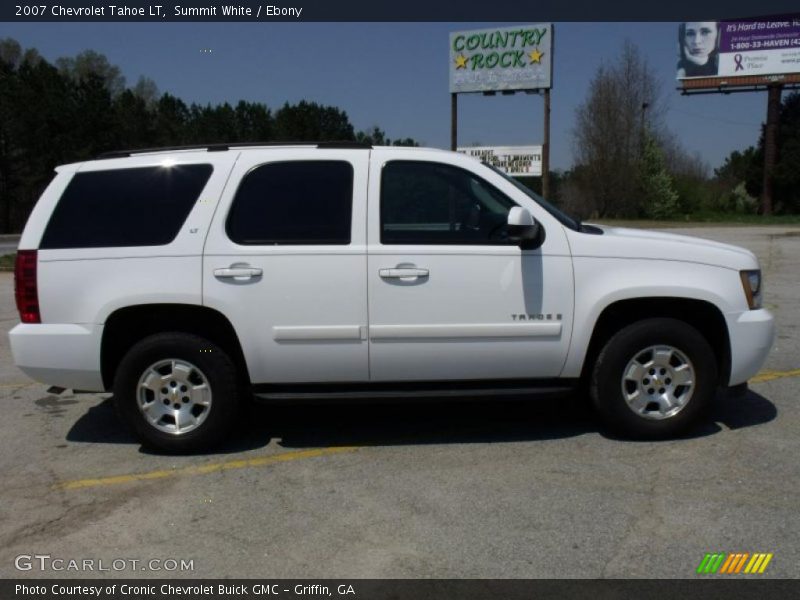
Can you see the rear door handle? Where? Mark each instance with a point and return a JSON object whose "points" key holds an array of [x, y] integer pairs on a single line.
{"points": [[237, 273], [403, 273]]}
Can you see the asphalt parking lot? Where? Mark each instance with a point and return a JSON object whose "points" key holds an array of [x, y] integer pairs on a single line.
{"points": [[456, 490]]}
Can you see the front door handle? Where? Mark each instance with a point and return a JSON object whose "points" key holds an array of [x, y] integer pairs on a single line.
{"points": [[237, 272], [403, 273]]}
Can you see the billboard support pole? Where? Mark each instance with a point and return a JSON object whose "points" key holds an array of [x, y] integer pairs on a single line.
{"points": [[453, 122], [770, 144], [546, 146]]}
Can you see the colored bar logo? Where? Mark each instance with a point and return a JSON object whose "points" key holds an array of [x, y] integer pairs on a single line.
{"points": [[722, 563]]}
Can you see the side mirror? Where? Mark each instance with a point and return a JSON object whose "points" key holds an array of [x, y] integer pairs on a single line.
{"points": [[523, 229]]}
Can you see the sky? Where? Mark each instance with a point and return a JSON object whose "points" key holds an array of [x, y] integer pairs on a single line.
{"points": [[395, 76]]}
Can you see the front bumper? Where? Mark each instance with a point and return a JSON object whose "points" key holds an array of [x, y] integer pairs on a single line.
{"points": [[67, 356], [751, 334]]}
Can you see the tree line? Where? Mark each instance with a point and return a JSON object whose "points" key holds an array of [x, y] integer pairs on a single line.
{"points": [[627, 164], [80, 107]]}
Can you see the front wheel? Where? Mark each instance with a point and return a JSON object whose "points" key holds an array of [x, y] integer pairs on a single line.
{"points": [[178, 392], [654, 379]]}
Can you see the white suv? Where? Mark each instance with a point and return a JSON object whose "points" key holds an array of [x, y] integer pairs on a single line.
{"points": [[186, 280]]}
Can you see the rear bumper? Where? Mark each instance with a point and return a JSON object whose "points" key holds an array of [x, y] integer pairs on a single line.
{"points": [[751, 333], [63, 355]]}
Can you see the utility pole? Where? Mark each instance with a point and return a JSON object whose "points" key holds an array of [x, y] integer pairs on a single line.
{"points": [[453, 122], [770, 144], [642, 130], [546, 146]]}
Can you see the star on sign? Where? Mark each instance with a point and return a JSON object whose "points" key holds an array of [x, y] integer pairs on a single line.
{"points": [[536, 56], [461, 62]]}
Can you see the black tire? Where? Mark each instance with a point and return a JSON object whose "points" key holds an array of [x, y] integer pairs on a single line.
{"points": [[607, 387], [213, 367]]}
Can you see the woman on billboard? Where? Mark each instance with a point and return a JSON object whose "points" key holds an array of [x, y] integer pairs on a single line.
{"points": [[699, 49]]}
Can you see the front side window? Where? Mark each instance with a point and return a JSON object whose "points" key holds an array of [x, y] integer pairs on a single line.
{"points": [[433, 203], [560, 215], [295, 202], [125, 207]]}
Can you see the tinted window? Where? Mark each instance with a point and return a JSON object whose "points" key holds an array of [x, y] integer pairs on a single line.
{"points": [[299, 202], [125, 207], [562, 217], [431, 203]]}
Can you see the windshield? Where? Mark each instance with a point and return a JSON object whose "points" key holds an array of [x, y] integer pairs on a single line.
{"points": [[562, 217]]}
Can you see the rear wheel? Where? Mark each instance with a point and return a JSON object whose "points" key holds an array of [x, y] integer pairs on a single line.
{"points": [[654, 379], [177, 391]]}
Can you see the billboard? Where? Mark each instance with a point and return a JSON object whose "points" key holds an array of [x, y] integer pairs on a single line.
{"points": [[737, 49], [506, 58], [518, 161]]}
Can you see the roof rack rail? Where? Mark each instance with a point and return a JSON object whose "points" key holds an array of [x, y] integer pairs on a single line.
{"points": [[344, 144]]}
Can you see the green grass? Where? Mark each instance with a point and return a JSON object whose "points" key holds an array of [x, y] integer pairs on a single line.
{"points": [[704, 220], [748, 219], [7, 262]]}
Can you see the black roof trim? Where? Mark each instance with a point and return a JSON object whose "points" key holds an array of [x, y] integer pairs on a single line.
{"points": [[233, 145]]}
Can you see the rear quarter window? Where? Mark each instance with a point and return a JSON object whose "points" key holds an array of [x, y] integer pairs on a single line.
{"points": [[125, 207]]}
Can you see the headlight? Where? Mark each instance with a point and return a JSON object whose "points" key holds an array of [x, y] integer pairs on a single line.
{"points": [[751, 281]]}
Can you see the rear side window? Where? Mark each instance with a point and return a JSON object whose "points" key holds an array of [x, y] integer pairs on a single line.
{"points": [[297, 202], [125, 207]]}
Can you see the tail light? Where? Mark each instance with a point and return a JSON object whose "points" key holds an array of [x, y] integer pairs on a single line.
{"points": [[25, 287]]}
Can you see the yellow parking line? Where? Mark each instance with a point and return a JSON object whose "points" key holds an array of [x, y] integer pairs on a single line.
{"points": [[245, 463], [770, 375], [269, 460]]}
